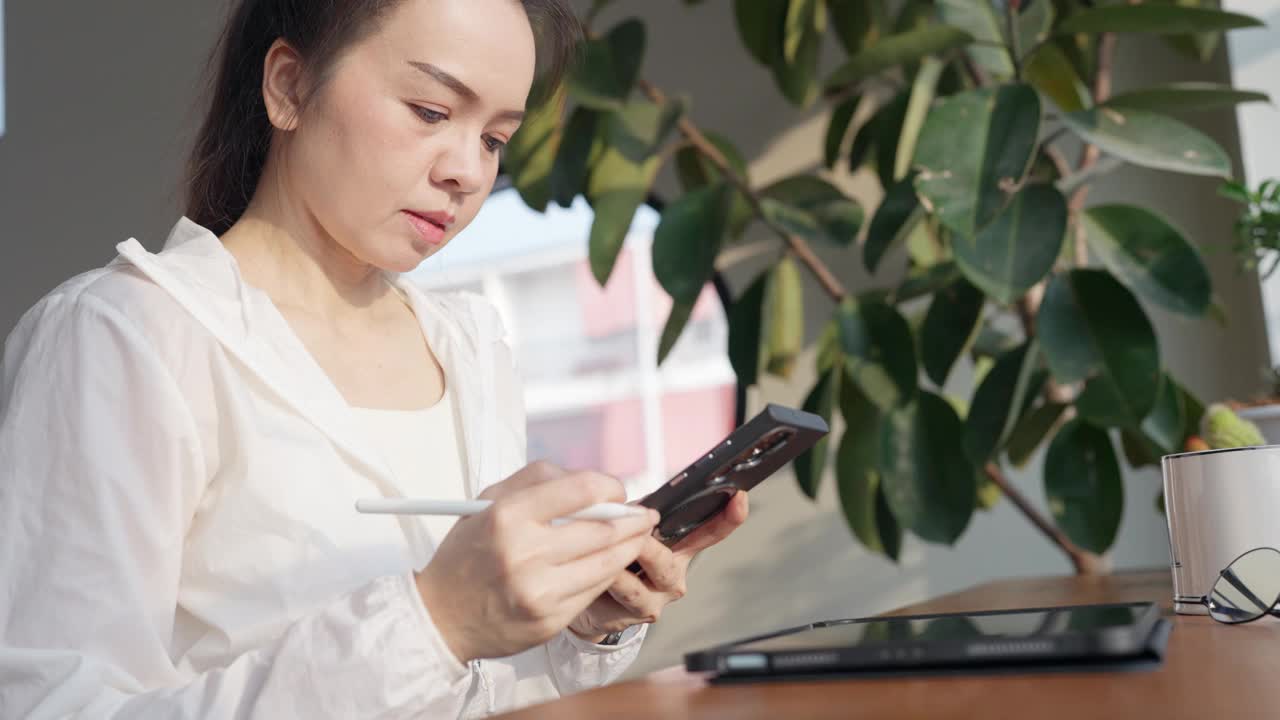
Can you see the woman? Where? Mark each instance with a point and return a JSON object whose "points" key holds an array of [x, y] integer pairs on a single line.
{"points": [[184, 433]]}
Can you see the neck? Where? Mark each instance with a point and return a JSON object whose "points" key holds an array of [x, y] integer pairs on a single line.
{"points": [[284, 251]]}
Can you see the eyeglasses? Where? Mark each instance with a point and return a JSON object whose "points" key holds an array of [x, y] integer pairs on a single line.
{"points": [[1247, 589]]}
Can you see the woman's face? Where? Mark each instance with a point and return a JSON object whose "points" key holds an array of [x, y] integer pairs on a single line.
{"points": [[399, 148]]}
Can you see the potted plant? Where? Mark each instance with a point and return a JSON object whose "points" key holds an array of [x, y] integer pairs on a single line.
{"points": [[973, 111]]}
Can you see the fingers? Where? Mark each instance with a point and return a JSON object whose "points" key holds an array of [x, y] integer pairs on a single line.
{"points": [[596, 572], [637, 599], [535, 473], [599, 613], [566, 494], [663, 583], [715, 530], [644, 600], [632, 600], [662, 571], [581, 538]]}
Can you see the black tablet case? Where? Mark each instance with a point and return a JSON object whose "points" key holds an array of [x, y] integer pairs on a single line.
{"points": [[1151, 658]]}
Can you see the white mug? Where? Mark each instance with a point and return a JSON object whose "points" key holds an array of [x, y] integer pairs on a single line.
{"points": [[1219, 504]]}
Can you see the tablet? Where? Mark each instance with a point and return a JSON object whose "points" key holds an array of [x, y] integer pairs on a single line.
{"points": [[1069, 636]]}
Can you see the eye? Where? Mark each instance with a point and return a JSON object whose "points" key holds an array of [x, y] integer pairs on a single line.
{"points": [[428, 115], [493, 144]]}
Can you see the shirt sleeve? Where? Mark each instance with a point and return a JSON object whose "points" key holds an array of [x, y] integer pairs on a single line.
{"points": [[101, 474], [580, 665]]}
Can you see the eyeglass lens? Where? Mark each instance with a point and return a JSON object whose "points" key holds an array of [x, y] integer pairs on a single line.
{"points": [[1248, 588]]}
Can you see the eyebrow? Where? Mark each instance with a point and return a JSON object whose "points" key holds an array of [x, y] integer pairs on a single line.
{"points": [[461, 88]]}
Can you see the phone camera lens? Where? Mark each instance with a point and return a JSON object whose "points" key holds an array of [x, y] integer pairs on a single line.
{"points": [[755, 459]]}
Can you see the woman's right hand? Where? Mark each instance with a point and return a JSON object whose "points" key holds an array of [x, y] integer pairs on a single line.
{"points": [[506, 580]]}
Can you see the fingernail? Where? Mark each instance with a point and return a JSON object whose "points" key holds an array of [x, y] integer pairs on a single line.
{"points": [[654, 516]]}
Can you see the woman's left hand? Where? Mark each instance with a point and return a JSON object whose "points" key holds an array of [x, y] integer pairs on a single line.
{"points": [[634, 600]]}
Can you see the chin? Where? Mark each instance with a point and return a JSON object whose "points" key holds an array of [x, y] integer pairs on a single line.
{"points": [[402, 265], [410, 259]]}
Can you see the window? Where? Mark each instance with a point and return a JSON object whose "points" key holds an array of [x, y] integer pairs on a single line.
{"points": [[595, 395]]}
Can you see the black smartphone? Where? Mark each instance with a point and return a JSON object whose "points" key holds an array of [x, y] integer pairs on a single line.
{"points": [[1054, 637], [751, 453]]}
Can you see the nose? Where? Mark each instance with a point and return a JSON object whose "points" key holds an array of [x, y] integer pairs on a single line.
{"points": [[460, 166]]}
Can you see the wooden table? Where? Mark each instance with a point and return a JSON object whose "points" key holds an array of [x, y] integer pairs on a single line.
{"points": [[1210, 671]]}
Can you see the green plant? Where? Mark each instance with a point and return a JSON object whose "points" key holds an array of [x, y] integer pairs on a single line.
{"points": [[1258, 227], [1223, 428], [967, 110]]}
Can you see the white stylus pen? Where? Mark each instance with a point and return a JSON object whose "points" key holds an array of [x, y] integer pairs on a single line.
{"points": [[416, 506]]}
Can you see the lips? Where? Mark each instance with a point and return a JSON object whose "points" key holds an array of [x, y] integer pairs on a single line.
{"points": [[430, 226], [443, 218]]}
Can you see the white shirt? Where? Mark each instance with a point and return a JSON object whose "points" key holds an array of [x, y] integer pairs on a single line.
{"points": [[177, 531], [424, 451]]}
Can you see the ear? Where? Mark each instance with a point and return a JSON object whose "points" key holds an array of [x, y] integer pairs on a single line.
{"points": [[282, 78]]}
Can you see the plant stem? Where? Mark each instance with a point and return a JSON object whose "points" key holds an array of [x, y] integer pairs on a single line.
{"points": [[797, 244], [1057, 158], [1011, 17], [1101, 91], [976, 76], [1075, 181], [670, 149], [1028, 308], [1085, 562]]}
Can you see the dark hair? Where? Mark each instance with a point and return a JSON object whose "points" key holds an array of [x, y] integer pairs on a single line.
{"points": [[231, 149]]}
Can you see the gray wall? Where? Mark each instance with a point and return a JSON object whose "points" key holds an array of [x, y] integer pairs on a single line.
{"points": [[100, 112], [101, 107]]}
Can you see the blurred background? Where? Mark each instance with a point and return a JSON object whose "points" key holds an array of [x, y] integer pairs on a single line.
{"points": [[98, 106]]}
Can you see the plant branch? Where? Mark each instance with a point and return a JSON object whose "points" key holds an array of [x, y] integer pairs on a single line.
{"points": [[1085, 562], [1076, 181], [1028, 306], [1011, 18], [1027, 53], [794, 242], [1058, 159], [1101, 91], [971, 69], [1028, 309], [671, 148]]}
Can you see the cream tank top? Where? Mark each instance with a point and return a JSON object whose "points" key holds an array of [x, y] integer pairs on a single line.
{"points": [[424, 449]]}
